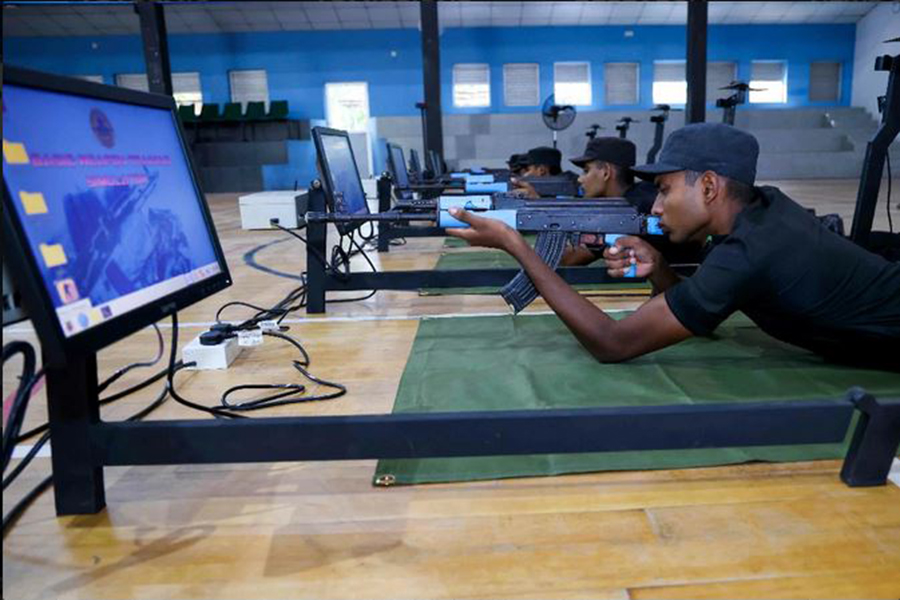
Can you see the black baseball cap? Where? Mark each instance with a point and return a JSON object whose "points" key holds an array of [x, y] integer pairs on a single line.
{"points": [[517, 161], [608, 149], [700, 147], [544, 155]]}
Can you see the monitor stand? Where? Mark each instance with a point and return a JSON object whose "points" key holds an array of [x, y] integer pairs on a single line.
{"points": [[73, 405]]}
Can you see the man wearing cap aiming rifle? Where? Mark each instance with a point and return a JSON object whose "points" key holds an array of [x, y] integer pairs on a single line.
{"points": [[767, 257], [606, 165]]}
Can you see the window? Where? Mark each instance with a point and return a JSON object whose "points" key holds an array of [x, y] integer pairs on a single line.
{"points": [[347, 106], [94, 78], [621, 83], [572, 83], [133, 81], [249, 86], [825, 81], [771, 78], [186, 90], [669, 84], [718, 75], [521, 84], [471, 85]]}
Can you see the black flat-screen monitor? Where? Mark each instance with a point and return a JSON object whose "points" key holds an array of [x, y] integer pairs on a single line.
{"points": [[105, 227], [397, 167], [437, 163], [340, 175], [415, 166]]}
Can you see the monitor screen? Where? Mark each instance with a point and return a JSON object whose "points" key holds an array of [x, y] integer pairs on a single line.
{"points": [[437, 163], [342, 173], [398, 166], [414, 165], [106, 203]]}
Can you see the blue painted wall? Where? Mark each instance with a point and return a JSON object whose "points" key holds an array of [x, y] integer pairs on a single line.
{"points": [[300, 63], [798, 45]]}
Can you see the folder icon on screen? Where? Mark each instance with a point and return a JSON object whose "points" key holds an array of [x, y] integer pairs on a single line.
{"points": [[33, 202], [54, 255], [14, 153]]}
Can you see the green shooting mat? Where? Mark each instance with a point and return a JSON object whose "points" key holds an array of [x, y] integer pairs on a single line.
{"points": [[534, 362], [495, 259]]}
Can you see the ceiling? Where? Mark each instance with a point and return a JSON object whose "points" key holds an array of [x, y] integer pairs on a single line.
{"points": [[89, 18]]}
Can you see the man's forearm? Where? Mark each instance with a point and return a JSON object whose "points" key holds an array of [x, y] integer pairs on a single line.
{"points": [[592, 327], [663, 277]]}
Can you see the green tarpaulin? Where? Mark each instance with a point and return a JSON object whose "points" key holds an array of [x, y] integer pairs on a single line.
{"points": [[534, 362]]}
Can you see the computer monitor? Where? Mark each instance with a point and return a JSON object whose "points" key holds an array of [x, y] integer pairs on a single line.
{"points": [[397, 166], [105, 228], [415, 166], [340, 175], [437, 163]]}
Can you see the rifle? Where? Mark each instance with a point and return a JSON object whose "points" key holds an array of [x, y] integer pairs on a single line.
{"points": [[557, 223]]}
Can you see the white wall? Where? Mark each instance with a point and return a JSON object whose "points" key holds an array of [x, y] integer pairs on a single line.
{"points": [[882, 23]]}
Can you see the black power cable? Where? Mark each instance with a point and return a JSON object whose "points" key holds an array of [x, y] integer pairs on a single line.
{"points": [[13, 515], [28, 378]]}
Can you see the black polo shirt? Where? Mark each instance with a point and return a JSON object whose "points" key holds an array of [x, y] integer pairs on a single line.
{"points": [[799, 282]]}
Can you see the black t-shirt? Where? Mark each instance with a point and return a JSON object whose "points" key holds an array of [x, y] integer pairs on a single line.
{"points": [[641, 195], [799, 282]]}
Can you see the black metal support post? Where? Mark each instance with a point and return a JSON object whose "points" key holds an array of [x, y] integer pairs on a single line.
{"points": [[156, 46], [874, 443], [73, 410], [317, 234], [876, 152], [431, 73], [695, 109], [384, 188]]}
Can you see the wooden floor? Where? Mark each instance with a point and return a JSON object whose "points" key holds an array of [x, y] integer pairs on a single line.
{"points": [[321, 530]]}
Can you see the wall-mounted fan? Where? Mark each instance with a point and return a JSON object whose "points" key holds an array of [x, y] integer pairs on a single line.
{"points": [[556, 116]]}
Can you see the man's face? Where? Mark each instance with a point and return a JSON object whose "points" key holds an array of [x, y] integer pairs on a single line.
{"points": [[536, 171], [683, 213], [595, 180]]}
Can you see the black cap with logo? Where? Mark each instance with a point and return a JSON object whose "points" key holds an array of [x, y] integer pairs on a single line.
{"points": [[722, 149], [608, 149]]}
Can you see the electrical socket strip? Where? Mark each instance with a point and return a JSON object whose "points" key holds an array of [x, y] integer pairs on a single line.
{"points": [[219, 356]]}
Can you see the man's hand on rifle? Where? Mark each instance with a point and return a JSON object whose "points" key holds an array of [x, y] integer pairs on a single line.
{"points": [[628, 251], [488, 233], [524, 189]]}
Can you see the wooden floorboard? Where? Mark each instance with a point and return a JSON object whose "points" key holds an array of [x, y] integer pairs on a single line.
{"points": [[321, 530]]}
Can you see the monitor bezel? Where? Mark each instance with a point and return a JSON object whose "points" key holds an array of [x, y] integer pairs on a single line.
{"points": [[23, 264], [415, 165], [395, 168], [325, 175]]}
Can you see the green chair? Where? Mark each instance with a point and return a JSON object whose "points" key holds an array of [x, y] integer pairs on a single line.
{"points": [[256, 111], [232, 112], [209, 112], [278, 110], [186, 113]]}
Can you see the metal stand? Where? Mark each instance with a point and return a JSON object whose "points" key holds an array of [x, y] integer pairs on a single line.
{"points": [[876, 152], [729, 106], [388, 231], [74, 411], [319, 280], [875, 441], [83, 445], [659, 122]]}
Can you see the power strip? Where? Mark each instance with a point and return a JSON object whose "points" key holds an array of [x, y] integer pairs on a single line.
{"points": [[218, 356]]}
